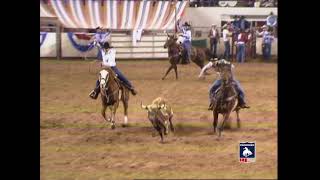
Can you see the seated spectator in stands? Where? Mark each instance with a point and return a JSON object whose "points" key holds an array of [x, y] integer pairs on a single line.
{"points": [[214, 39], [251, 3], [214, 2], [268, 3], [241, 45], [226, 40]]}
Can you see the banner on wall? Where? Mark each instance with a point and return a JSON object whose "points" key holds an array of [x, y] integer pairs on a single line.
{"points": [[43, 36], [80, 41]]}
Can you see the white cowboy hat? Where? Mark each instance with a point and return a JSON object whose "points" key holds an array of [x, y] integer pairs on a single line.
{"points": [[224, 26]]}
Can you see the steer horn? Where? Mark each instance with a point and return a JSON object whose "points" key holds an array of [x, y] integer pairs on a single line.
{"points": [[143, 106]]}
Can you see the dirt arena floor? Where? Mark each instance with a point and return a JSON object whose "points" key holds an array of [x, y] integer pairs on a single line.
{"points": [[76, 143]]}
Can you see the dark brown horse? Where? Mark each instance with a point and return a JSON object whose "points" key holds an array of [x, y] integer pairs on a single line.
{"points": [[226, 99], [112, 91], [198, 55], [173, 53]]}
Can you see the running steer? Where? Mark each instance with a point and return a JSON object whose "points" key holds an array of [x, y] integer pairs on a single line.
{"points": [[159, 113]]}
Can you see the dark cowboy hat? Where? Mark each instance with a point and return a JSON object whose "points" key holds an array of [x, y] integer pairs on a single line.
{"points": [[242, 17], [186, 23], [235, 16], [98, 28], [106, 45]]}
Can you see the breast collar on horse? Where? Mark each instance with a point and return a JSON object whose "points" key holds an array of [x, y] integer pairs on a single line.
{"points": [[107, 85]]}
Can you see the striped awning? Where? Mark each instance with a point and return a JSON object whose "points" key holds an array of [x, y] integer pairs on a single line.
{"points": [[114, 14]]}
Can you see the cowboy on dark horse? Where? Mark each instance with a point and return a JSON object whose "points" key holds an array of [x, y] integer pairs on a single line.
{"points": [[186, 41], [216, 65], [108, 56]]}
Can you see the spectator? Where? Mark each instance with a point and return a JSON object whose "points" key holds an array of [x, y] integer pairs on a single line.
{"points": [[252, 43], [214, 39], [241, 45], [251, 3], [226, 40], [271, 22], [236, 23], [267, 39], [268, 3], [243, 23]]}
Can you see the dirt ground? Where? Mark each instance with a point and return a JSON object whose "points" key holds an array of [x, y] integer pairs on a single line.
{"points": [[76, 143]]}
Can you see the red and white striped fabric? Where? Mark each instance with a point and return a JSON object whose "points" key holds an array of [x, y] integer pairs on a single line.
{"points": [[124, 14]]}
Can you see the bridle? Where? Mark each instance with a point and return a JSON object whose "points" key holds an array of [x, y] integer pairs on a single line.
{"points": [[103, 85]]}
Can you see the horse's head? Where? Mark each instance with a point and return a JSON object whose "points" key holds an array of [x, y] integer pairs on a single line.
{"points": [[103, 78], [226, 75], [171, 39]]}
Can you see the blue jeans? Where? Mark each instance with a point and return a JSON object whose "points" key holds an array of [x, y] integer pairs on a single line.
{"points": [[120, 76], [217, 84], [266, 51], [187, 46], [241, 52], [226, 50], [213, 48]]}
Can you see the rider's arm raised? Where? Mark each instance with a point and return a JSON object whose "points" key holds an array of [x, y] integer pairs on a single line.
{"points": [[205, 68]]}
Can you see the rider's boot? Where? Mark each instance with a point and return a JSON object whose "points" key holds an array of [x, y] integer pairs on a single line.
{"points": [[242, 103], [211, 105], [133, 91], [95, 93]]}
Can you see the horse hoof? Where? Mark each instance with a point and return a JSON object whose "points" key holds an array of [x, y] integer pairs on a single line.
{"points": [[113, 126], [124, 125]]}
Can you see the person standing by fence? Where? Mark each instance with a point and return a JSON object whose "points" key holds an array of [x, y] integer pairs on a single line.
{"points": [[241, 46], [267, 39], [226, 40], [214, 40], [252, 42]]}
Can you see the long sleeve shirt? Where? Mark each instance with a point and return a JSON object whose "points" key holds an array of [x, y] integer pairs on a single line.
{"points": [[186, 35], [102, 37], [108, 57], [216, 67]]}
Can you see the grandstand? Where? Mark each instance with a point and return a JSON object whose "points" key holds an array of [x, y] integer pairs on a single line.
{"points": [[66, 24]]}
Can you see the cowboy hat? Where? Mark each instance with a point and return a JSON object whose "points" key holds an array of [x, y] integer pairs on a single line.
{"points": [[224, 26], [106, 45], [186, 23]]}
